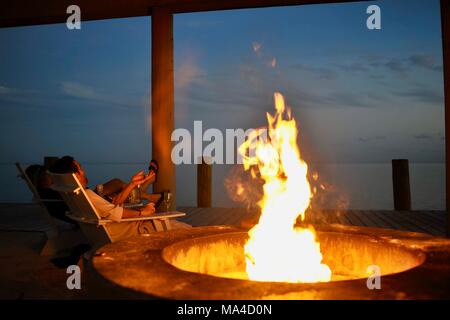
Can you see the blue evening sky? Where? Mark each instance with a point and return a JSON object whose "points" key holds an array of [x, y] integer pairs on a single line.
{"points": [[359, 95]]}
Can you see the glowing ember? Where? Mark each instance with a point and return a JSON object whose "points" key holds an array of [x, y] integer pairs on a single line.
{"points": [[273, 63], [276, 249]]}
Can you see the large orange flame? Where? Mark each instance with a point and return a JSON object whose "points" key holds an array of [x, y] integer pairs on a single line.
{"points": [[277, 250]]}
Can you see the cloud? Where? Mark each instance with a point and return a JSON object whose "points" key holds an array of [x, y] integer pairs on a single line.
{"points": [[81, 91], [228, 96], [5, 90], [77, 90], [347, 99], [397, 65], [355, 67], [429, 136], [422, 95], [240, 92], [375, 62], [67, 89], [186, 74], [24, 97], [426, 61], [423, 136], [372, 138], [378, 77], [400, 65], [323, 73], [249, 85]]}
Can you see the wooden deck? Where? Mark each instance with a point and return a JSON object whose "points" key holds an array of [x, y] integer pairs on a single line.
{"points": [[26, 275], [431, 222], [28, 218]]}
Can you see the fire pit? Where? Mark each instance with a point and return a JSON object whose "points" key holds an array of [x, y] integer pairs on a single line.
{"points": [[279, 258], [347, 255], [209, 263]]}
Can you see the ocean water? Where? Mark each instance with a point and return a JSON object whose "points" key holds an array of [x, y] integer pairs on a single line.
{"points": [[351, 186]]}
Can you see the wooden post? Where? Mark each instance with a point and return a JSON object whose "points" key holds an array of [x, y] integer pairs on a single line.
{"points": [[445, 21], [163, 99], [400, 181], [204, 182]]}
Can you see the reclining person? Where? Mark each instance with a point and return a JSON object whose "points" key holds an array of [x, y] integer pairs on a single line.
{"points": [[108, 210], [111, 190]]}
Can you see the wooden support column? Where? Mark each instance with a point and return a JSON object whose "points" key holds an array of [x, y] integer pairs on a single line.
{"points": [[445, 20], [163, 99]]}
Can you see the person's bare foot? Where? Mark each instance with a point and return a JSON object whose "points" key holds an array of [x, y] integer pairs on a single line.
{"points": [[153, 166]]}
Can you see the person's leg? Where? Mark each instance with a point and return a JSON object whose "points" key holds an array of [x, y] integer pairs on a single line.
{"points": [[151, 197], [113, 186], [72, 258], [145, 186], [58, 210], [156, 198], [153, 166]]}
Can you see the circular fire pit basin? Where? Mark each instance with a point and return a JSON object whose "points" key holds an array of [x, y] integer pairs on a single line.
{"points": [[348, 256], [209, 263]]}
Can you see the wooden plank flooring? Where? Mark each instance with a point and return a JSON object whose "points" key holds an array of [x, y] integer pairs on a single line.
{"points": [[28, 218], [431, 222]]}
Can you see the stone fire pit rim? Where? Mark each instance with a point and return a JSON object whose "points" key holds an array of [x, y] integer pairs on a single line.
{"points": [[155, 277]]}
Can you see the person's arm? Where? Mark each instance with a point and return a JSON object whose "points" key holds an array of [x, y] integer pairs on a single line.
{"points": [[147, 184], [112, 186], [124, 193], [138, 179]]}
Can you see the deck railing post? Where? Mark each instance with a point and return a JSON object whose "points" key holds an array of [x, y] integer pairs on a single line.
{"points": [[400, 182], [204, 183]]}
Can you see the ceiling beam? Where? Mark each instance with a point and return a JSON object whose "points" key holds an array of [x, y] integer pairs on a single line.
{"points": [[211, 5], [15, 13]]}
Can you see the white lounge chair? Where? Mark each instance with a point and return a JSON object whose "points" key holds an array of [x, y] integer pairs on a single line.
{"points": [[83, 211], [59, 236]]}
